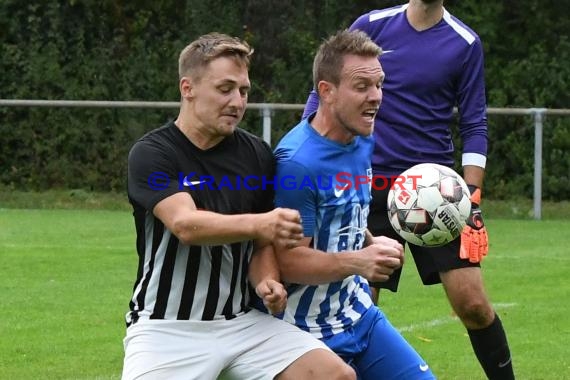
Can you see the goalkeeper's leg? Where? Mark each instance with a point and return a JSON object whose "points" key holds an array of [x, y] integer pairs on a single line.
{"points": [[466, 294]]}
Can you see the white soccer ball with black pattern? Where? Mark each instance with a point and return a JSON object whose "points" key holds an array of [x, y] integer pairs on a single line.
{"points": [[428, 205]]}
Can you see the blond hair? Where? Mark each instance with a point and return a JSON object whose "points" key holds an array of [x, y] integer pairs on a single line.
{"points": [[208, 47]]}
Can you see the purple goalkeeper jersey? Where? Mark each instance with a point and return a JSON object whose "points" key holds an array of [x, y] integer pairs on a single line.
{"points": [[428, 73]]}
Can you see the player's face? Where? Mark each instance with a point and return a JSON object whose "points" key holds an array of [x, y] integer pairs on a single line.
{"points": [[359, 94], [220, 96]]}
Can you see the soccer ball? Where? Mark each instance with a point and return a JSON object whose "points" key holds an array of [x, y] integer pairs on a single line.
{"points": [[428, 205]]}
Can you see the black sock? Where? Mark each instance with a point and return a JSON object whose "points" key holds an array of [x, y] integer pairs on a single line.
{"points": [[492, 349]]}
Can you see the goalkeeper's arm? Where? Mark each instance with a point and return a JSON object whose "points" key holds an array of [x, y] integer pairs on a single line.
{"points": [[473, 175], [474, 239]]}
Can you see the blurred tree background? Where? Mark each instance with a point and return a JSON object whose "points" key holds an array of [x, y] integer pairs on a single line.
{"points": [[127, 50]]}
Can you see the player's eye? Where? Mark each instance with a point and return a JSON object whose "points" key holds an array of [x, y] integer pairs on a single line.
{"points": [[361, 87]]}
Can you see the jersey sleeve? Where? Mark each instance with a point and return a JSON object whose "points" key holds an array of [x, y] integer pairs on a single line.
{"points": [[361, 23], [152, 176], [297, 190], [472, 102], [266, 203], [311, 105]]}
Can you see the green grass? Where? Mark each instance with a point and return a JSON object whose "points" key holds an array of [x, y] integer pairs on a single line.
{"points": [[526, 277], [63, 199], [66, 278], [83, 199]]}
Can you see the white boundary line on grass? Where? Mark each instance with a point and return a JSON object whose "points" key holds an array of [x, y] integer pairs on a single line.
{"points": [[513, 257], [445, 320], [60, 247]]}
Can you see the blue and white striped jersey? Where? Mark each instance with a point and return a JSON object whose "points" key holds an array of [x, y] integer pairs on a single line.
{"points": [[329, 183]]}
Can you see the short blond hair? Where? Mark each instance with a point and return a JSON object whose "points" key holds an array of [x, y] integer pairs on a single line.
{"points": [[208, 47], [329, 59]]}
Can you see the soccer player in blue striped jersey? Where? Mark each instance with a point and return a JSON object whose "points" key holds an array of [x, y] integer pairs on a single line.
{"points": [[325, 163], [434, 62]]}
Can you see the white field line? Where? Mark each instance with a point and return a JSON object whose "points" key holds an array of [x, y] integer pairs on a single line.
{"points": [[537, 257], [60, 247], [445, 320]]}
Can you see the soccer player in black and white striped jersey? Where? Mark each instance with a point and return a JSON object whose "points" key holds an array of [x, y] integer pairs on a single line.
{"points": [[205, 236]]}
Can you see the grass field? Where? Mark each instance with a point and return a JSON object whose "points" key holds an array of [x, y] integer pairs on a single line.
{"points": [[66, 277]]}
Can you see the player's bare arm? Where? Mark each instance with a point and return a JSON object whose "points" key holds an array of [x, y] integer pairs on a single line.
{"points": [[199, 227], [474, 239], [473, 175], [305, 265], [280, 227], [264, 277]]}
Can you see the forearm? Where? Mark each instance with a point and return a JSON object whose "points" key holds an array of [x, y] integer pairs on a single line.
{"points": [[473, 175], [263, 265], [304, 265], [209, 228], [199, 227]]}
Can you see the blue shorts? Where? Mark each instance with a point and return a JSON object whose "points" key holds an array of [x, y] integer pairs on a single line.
{"points": [[376, 350]]}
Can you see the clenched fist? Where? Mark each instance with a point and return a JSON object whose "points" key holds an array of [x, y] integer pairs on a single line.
{"points": [[273, 295], [281, 227]]}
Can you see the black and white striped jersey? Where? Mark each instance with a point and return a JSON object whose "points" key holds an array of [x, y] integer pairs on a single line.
{"points": [[176, 281]]}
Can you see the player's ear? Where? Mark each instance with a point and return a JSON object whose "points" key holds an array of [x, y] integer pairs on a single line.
{"points": [[186, 88], [325, 90]]}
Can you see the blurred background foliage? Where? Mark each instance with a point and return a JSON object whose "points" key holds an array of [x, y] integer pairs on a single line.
{"points": [[126, 50]]}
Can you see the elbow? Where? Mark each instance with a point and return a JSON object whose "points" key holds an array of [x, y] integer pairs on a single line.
{"points": [[184, 233]]}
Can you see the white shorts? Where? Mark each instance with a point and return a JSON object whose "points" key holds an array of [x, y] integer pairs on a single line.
{"points": [[251, 346]]}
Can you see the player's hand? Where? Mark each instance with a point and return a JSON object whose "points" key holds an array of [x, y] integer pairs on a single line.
{"points": [[380, 259], [386, 241], [273, 295], [281, 227], [474, 239]]}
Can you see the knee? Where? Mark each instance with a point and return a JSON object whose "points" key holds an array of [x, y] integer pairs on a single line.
{"points": [[318, 364], [337, 370], [344, 372], [476, 314]]}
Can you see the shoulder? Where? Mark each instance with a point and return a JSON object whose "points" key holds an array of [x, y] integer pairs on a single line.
{"points": [[242, 134], [379, 22], [461, 29], [256, 144], [154, 141], [294, 143], [379, 15]]}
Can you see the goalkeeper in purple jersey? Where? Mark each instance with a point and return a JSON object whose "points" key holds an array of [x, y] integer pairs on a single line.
{"points": [[433, 63]]}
